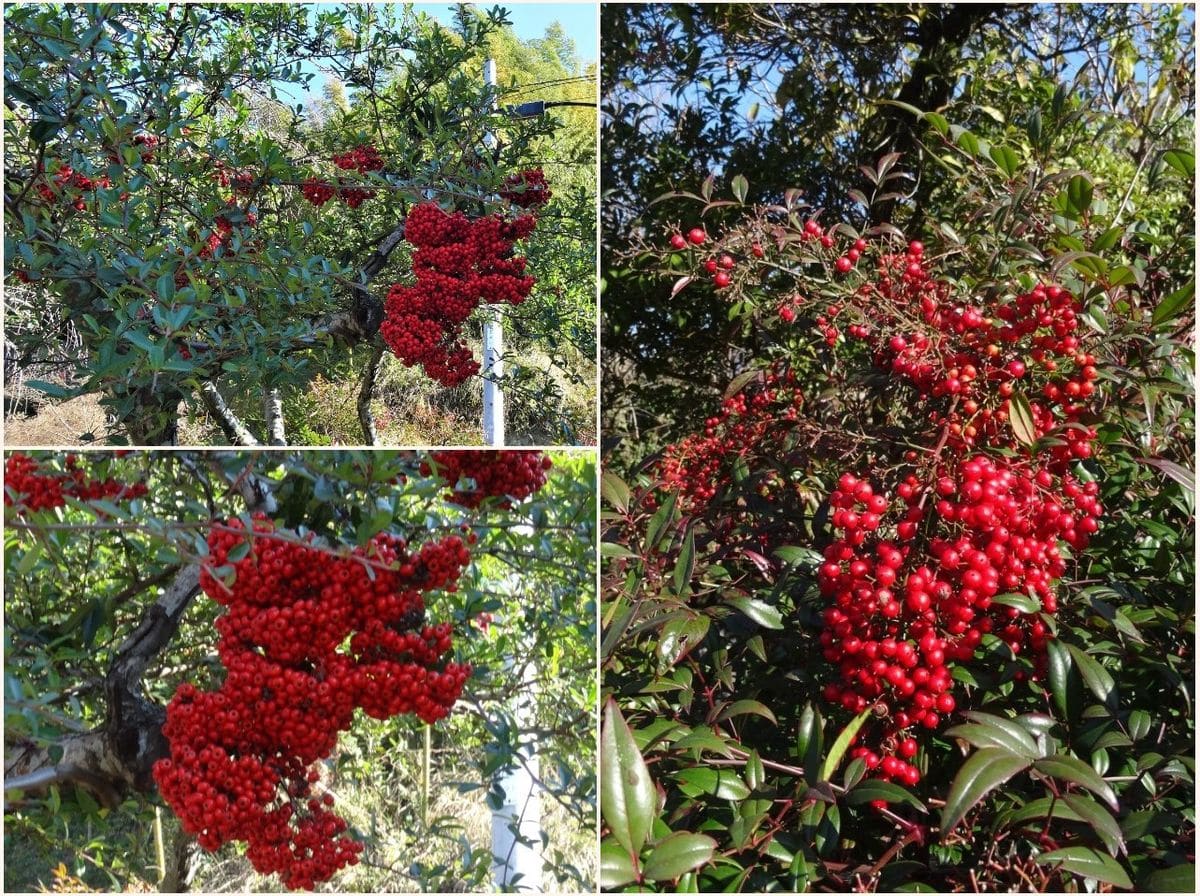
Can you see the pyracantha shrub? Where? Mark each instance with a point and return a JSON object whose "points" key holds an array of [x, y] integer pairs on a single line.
{"points": [[527, 189], [459, 263], [27, 487], [307, 638], [962, 529], [474, 476]]}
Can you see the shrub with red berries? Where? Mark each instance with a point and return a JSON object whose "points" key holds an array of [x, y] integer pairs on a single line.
{"points": [[307, 638], [29, 486], [527, 189], [459, 264], [475, 476]]}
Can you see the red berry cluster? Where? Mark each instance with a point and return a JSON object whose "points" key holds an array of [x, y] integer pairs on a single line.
{"points": [[318, 192], [474, 476], [68, 186], [979, 354], [306, 639], [27, 488], [912, 582], [527, 189], [361, 159], [699, 465], [459, 263]]}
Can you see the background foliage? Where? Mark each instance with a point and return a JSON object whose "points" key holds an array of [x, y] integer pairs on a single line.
{"points": [[1035, 144], [81, 579]]}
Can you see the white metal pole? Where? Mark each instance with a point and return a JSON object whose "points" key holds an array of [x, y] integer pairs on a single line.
{"points": [[517, 823], [493, 335]]}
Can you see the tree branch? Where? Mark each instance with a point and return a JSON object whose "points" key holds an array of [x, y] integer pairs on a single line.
{"points": [[366, 393], [273, 408], [235, 430]]}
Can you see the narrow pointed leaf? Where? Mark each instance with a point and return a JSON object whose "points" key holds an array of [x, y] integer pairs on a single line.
{"points": [[842, 744], [677, 854], [1088, 862], [616, 866], [982, 773], [1100, 819], [1068, 768], [627, 795]]}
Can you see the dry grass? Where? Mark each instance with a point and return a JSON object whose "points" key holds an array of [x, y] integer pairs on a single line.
{"points": [[58, 423]]}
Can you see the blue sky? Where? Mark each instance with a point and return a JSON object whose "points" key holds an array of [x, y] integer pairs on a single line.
{"points": [[529, 21]]}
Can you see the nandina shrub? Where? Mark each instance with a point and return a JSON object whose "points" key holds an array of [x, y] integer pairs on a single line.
{"points": [[887, 551]]}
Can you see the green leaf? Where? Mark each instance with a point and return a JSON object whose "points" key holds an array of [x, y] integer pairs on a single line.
{"points": [[842, 744], [1006, 160], [1176, 879], [1010, 737], [1067, 768], [982, 773], [616, 866], [740, 187], [1171, 306], [1181, 160], [677, 854], [628, 799], [746, 707], [686, 563], [662, 518], [1098, 679], [762, 613], [51, 389], [165, 287], [722, 783], [1079, 195], [614, 490], [1062, 686], [680, 636], [1088, 862], [875, 789], [1097, 816], [1026, 603], [1020, 418]]}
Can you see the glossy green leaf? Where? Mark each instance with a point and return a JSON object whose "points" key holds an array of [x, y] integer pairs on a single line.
{"points": [[983, 772], [1088, 862], [1098, 679], [1100, 819], [723, 783], [1020, 418], [1006, 160], [1067, 768], [993, 733], [627, 798], [744, 707], [1182, 160], [1059, 672], [660, 522], [740, 187], [616, 865], [680, 636], [685, 565], [841, 744], [875, 789], [1172, 305], [614, 491], [677, 854], [1026, 603], [762, 613]]}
